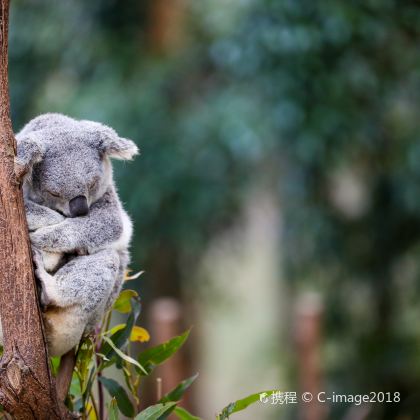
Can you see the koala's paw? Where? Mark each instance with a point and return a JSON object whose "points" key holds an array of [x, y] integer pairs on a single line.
{"points": [[38, 219], [51, 239], [44, 300], [40, 273], [37, 257]]}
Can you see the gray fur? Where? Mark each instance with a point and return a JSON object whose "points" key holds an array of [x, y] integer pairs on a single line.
{"points": [[81, 260]]}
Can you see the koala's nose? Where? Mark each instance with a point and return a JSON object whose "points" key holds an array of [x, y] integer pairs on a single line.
{"points": [[79, 206]]}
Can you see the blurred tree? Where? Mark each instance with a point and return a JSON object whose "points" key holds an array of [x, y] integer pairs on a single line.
{"points": [[337, 82]]}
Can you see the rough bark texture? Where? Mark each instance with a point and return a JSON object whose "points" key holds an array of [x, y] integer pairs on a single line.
{"points": [[27, 389]]}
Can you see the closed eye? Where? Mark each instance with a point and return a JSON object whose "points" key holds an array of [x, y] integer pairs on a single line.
{"points": [[53, 194], [93, 184]]}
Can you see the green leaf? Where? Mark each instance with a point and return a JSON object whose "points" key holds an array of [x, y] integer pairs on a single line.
{"points": [[156, 412], [123, 302], [55, 363], [177, 393], [118, 392], [114, 329], [84, 356], [103, 357], [183, 414], [240, 405], [84, 362], [113, 410], [120, 338], [158, 354], [124, 356]]}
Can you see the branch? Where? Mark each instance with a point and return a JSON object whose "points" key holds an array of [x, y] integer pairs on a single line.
{"points": [[27, 388], [65, 373]]}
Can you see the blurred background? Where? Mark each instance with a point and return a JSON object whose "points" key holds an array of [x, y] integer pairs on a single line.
{"points": [[277, 197]]}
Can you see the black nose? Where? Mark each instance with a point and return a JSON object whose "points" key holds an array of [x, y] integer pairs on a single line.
{"points": [[79, 206]]}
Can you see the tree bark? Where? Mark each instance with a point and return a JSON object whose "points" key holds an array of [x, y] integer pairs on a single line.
{"points": [[27, 388]]}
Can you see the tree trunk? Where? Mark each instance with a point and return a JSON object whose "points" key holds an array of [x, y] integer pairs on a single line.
{"points": [[27, 388]]}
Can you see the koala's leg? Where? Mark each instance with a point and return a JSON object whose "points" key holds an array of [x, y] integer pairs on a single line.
{"points": [[124, 261], [76, 296], [85, 281]]}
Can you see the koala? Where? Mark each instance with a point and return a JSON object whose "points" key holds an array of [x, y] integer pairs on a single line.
{"points": [[79, 231]]}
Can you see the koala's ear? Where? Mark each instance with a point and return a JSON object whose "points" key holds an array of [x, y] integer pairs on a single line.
{"points": [[120, 148], [110, 144], [29, 152]]}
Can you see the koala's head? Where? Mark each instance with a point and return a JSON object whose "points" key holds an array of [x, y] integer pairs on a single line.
{"points": [[67, 161]]}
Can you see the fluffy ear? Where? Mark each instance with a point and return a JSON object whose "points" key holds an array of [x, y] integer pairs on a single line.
{"points": [[29, 152], [110, 143], [120, 148]]}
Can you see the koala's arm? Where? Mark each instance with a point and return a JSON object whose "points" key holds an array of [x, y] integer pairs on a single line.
{"points": [[39, 216], [103, 227]]}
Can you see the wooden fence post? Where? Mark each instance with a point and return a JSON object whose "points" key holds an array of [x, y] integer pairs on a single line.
{"points": [[308, 343]]}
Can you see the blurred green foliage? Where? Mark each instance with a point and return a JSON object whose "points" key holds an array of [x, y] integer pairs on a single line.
{"points": [[317, 100]]}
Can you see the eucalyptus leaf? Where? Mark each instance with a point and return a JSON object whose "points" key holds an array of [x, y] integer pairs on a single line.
{"points": [[124, 356], [139, 334], [156, 412], [183, 414], [121, 337], [123, 302], [118, 392], [113, 409], [158, 354], [114, 329], [177, 393], [129, 277], [241, 404]]}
